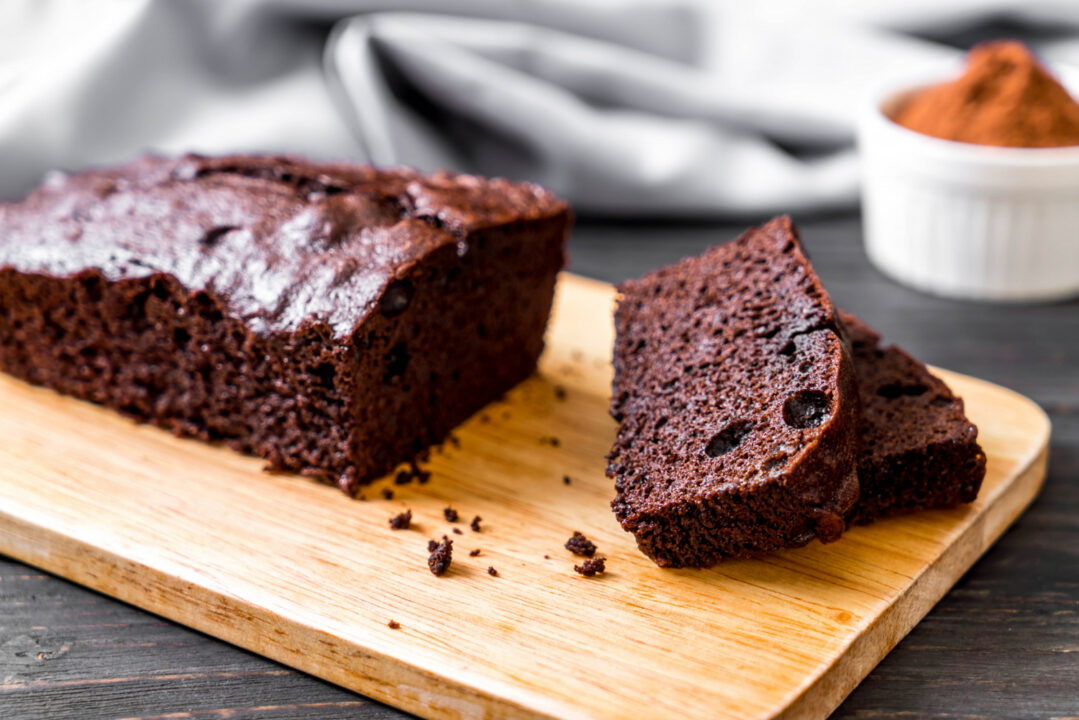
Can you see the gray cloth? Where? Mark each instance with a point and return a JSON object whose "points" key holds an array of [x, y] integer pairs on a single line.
{"points": [[624, 107]]}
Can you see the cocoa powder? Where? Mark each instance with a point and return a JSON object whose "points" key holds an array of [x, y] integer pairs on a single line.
{"points": [[1005, 98]]}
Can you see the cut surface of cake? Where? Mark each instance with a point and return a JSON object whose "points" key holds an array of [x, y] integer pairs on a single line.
{"points": [[919, 450], [332, 318], [737, 404]]}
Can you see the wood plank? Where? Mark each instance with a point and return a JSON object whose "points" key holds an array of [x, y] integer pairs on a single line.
{"points": [[296, 572]]}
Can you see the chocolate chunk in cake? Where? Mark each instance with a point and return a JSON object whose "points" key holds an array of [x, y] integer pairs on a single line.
{"points": [[580, 545], [591, 568], [919, 450], [441, 557], [332, 318], [737, 404]]}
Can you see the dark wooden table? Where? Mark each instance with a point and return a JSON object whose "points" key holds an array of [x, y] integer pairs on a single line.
{"points": [[1003, 643]]}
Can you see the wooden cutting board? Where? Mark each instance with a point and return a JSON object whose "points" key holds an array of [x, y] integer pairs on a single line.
{"points": [[297, 572]]}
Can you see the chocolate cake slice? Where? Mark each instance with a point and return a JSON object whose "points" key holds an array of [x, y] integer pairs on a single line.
{"points": [[737, 404], [919, 450], [332, 318]]}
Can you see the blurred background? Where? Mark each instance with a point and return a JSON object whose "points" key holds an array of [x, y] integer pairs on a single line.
{"points": [[670, 125], [627, 108]]}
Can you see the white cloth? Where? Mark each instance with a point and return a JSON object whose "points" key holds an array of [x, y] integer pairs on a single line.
{"points": [[624, 107]]}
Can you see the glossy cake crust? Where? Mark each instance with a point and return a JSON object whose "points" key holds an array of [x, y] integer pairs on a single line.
{"points": [[330, 317]]}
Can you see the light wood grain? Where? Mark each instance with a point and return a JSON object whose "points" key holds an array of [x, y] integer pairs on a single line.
{"points": [[297, 572]]}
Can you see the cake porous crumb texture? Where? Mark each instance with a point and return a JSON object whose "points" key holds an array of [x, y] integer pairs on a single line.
{"points": [[737, 404], [332, 318], [919, 450]]}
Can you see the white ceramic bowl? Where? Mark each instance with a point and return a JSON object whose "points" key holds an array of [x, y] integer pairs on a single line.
{"points": [[966, 220]]}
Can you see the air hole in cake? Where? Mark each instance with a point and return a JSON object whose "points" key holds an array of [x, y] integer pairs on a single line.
{"points": [[160, 289], [93, 288], [326, 372], [397, 298], [895, 390], [396, 362], [788, 349], [806, 409], [728, 438], [213, 236], [181, 336]]}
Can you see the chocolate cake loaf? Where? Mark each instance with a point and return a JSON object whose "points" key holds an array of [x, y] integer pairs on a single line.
{"points": [[737, 404], [919, 450], [334, 319]]}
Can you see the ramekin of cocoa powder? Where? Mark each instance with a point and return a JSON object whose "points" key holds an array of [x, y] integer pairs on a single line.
{"points": [[970, 185]]}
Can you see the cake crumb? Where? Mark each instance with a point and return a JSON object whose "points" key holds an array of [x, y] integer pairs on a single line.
{"points": [[401, 521], [591, 568], [432, 545], [413, 472], [457, 531], [394, 625], [475, 524], [580, 545], [566, 479], [546, 557], [441, 557], [474, 553], [387, 493], [550, 440], [450, 514], [492, 571]]}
